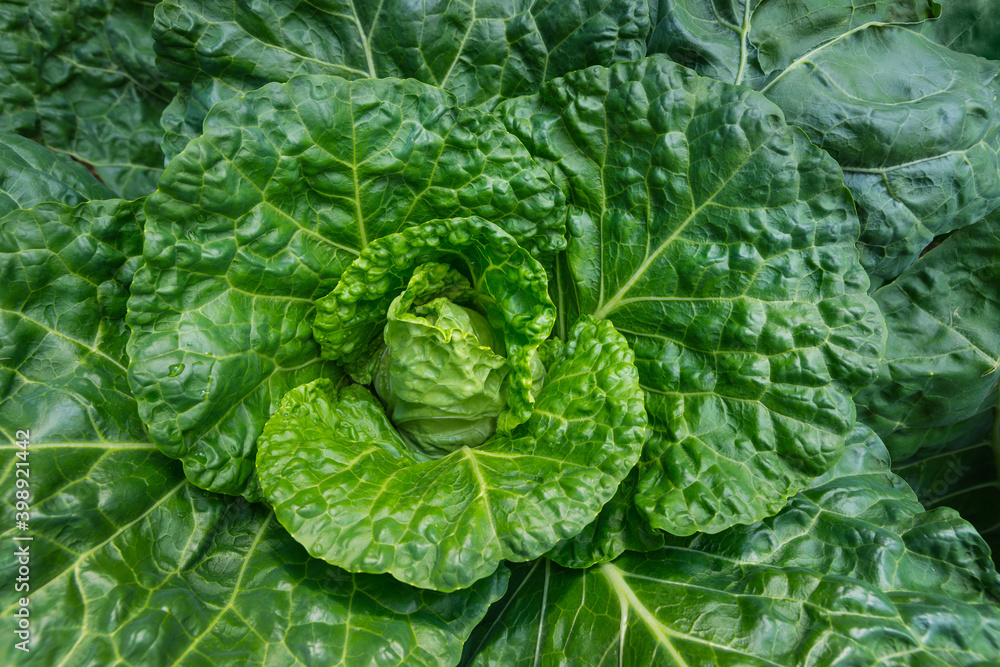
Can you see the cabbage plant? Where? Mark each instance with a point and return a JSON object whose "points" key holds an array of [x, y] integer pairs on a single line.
{"points": [[495, 334]]}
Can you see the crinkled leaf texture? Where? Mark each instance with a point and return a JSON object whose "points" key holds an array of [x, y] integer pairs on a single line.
{"points": [[913, 125], [31, 174], [80, 78], [346, 486], [620, 527], [720, 243], [852, 572], [942, 361], [508, 285], [180, 576], [131, 564], [481, 52], [443, 376], [258, 218], [65, 273]]}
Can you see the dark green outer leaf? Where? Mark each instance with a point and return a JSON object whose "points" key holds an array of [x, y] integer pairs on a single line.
{"points": [[173, 575], [80, 78], [861, 520], [259, 217], [346, 486], [740, 42], [852, 572], [969, 26], [31, 174], [65, 274], [962, 473], [786, 30], [130, 564], [480, 51], [906, 442], [710, 37], [721, 244], [912, 124], [942, 362]]}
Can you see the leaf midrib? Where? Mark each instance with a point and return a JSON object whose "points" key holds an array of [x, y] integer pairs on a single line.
{"points": [[76, 563], [232, 598], [93, 350], [608, 307]]}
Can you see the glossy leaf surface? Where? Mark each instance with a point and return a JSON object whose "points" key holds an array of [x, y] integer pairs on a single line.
{"points": [[66, 273], [347, 487], [441, 378], [721, 244], [128, 563], [480, 51], [508, 286], [31, 174], [80, 78], [181, 576], [852, 571], [912, 124], [618, 528], [258, 219]]}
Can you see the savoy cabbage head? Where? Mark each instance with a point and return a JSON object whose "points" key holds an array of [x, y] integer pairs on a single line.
{"points": [[500, 333]]}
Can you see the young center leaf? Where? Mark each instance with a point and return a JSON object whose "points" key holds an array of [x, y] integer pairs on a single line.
{"points": [[350, 485]]}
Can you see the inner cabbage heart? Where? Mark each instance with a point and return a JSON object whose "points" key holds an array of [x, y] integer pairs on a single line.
{"points": [[469, 451], [442, 375]]}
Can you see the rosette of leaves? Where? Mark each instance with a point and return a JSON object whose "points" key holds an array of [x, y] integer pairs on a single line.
{"points": [[259, 217], [442, 510]]}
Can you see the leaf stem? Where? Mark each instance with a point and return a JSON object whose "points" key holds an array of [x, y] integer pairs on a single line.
{"points": [[744, 36], [806, 56]]}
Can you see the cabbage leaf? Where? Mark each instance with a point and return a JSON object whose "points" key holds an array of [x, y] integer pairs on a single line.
{"points": [[913, 124], [720, 243]]}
